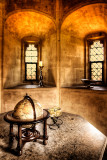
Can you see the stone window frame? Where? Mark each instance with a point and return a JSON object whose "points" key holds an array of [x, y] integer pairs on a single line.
{"points": [[87, 41], [24, 41]]}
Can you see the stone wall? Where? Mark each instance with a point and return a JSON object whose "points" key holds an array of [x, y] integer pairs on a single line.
{"points": [[72, 60], [92, 105], [49, 60], [1, 48], [46, 96], [11, 61]]}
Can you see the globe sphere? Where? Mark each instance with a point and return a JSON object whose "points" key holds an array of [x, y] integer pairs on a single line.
{"points": [[24, 110]]}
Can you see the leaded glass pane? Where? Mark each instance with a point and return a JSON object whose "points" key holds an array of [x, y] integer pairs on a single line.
{"points": [[34, 53], [28, 77], [27, 53], [33, 66], [96, 71], [34, 59], [31, 71], [27, 59], [96, 52], [31, 53], [31, 57], [31, 47], [96, 57]]}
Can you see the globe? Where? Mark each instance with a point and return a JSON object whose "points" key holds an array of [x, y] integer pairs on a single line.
{"points": [[24, 109]]}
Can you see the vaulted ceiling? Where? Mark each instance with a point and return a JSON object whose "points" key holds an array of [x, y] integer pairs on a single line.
{"points": [[88, 19], [29, 23]]}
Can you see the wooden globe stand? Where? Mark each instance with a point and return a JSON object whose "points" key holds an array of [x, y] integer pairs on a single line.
{"points": [[27, 134]]}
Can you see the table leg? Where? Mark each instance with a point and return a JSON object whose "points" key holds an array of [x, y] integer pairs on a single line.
{"points": [[34, 129], [11, 136], [19, 144], [45, 132]]}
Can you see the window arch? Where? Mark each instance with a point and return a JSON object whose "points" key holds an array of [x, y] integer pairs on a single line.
{"points": [[31, 55], [95, 58]]}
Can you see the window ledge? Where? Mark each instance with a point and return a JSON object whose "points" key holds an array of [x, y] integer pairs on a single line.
{"points": [[96, 88], [29, 86]]}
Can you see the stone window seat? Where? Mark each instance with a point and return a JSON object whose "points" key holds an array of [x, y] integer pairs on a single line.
{"points": [[99, 88], [28, 86]]}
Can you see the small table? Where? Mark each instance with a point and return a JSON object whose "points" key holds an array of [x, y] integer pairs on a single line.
{"points": [[26, 134]]}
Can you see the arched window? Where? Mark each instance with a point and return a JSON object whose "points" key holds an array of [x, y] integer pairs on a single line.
{"points": [[96, 60], [31, 55], [31, 58]]}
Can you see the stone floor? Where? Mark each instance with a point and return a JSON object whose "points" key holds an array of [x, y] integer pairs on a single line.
{"points": [[76, 139]]}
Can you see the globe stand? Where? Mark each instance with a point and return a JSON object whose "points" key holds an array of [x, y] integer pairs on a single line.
{"points": [[26, 134], [29, 134]]}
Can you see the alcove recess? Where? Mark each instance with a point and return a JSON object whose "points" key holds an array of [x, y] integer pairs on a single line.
{"points": [[18, 26], [76, 26]]}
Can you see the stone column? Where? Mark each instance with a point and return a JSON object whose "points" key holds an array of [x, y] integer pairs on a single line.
{"points": [[58, 50], [2, 6]]}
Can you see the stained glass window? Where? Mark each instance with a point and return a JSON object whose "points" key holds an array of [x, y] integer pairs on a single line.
{"points": [[96, 58], [31, 57]]}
